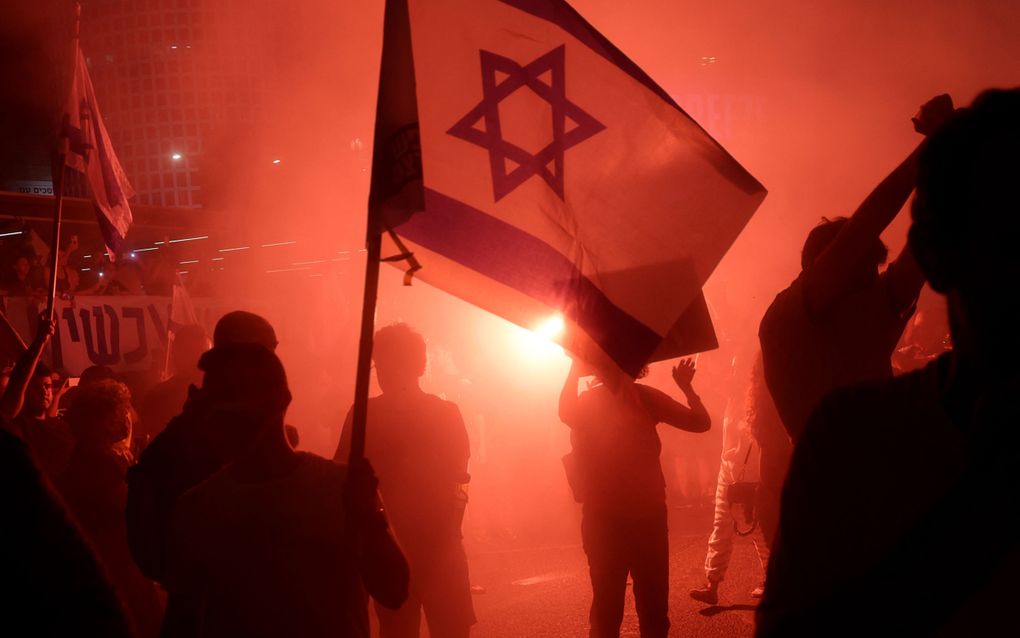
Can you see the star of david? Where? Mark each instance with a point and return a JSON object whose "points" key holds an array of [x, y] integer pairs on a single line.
{"points": [[546, 163]]}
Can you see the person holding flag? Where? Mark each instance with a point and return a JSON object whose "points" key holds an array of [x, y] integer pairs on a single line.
{"points": [[524, 164], [420, 450], [527, 166], [89, 151], [86, 147]]}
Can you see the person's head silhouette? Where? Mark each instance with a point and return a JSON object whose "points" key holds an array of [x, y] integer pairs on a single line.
{"points": [[399, 355], [822, 235], [966, 225], [246, 386], [241, 326]]}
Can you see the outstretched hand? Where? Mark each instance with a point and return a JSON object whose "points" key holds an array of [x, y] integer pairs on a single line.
{"points": [[683, 373], [934, 114], [45, 329]]}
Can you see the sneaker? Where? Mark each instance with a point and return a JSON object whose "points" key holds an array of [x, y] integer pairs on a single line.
{"points": [[758, 591], [709, 594]]}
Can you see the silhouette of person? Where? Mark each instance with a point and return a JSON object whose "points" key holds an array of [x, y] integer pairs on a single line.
{"points": [[25, 405], [90, 375], [766, 429], [189, 450], [94, 488], [51, 581], [23, 279], [419, 446], [756, 450], [614, 471], [898, 514], [241, 326], [838, 323], [278, 542]]}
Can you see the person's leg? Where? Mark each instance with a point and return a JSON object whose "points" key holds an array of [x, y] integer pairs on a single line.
{"points": [[649, 543], [720, 547], [400, 623], [762, 547], [445, 591], [761, 536], [607, 564]]}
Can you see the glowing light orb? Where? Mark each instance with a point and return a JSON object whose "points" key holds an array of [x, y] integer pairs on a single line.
{"points": [[540, 342], [550, 328]]}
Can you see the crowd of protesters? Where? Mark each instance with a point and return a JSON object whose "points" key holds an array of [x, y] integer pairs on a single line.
{"points": [[196, 516], [26, 270]]}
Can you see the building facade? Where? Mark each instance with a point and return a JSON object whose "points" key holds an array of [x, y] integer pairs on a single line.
{"points": [[177, 81]]}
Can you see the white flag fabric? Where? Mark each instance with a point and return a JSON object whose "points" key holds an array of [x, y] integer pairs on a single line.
{"points": [[535, 170], [90, 152], [182, 310]]}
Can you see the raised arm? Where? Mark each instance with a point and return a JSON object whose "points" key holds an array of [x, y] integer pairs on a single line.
{"points": [[691, 419], [14, 396], [829, 277], [58, 394]]}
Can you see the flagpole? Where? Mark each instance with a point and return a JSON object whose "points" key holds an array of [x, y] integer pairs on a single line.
{"points": [[373, 245], [58, 213], [164, 374], [58, 171]]}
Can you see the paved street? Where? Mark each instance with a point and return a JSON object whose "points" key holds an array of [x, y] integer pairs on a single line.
{"points": [[544, 592]]}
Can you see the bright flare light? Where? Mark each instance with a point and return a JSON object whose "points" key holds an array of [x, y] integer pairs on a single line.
{"points": [[551, 328], [176, 156], [540, 342]]}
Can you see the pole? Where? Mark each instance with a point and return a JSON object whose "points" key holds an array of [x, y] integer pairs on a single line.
{"points": [[58, 177], [373, 244], [58, 211]]}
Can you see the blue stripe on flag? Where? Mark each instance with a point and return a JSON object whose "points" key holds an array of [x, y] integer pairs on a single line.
{"points": [[111, 236], [530, 266]]}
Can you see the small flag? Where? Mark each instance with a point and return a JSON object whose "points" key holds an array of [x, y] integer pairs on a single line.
{"points": [[182, 313], [182, 310], [534, 170], [90, 152]]}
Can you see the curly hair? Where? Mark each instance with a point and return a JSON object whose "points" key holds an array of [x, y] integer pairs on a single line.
{"points": [[100, 413], [400, 347]]}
